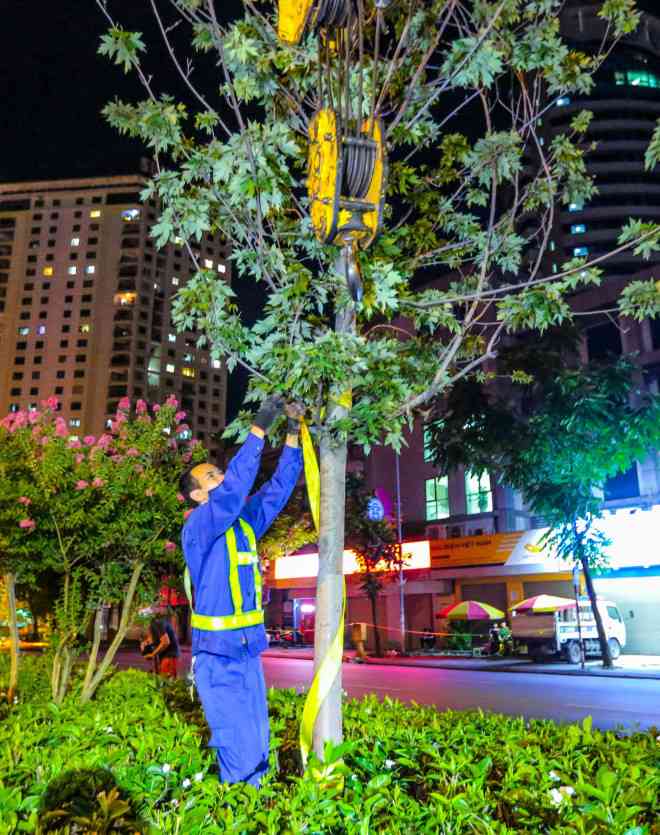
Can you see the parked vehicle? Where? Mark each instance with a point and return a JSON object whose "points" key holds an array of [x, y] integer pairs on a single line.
{"points": [[556, 633]]}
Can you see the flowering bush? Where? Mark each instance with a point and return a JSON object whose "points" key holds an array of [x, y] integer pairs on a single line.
{"points": [[103, 513]]}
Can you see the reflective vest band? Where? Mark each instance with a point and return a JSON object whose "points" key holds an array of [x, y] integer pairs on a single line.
{"points": [[240, 619], [211, 623]]}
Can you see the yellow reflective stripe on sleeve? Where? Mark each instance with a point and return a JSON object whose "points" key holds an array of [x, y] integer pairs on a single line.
{"points": [[213, 623], [234, 582]]}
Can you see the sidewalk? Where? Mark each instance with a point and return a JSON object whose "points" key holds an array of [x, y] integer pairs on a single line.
{"points": [[627, 666]]}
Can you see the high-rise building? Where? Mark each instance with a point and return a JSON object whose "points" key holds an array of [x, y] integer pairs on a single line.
{"points": [[85, 306]]}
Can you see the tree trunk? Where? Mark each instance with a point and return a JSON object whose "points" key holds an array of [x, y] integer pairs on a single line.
{"points": [[94, 652], [10, 585], [91, 686], [330, 580], [602, 636], [374, 615]]}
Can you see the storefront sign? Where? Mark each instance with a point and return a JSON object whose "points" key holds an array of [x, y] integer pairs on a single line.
{"points": [[492, 549]]}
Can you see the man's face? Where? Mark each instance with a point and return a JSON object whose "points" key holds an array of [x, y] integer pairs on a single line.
{"points": [[208, 477]]}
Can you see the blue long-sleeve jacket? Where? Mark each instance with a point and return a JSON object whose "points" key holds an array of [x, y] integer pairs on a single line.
{"points": [[205, 548]]}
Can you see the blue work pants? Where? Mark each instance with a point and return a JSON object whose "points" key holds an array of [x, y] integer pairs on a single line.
{"points": [[233, 695]]}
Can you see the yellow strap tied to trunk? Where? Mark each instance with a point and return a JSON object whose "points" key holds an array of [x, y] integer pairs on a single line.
{"points": [[331, 664]]}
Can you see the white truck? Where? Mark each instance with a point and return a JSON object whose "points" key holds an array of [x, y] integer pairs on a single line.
{"points": [[548, 635]]}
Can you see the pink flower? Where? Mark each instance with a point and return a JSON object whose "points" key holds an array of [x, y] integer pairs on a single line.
{"points": [[138, 468], [89, 440], [104, 441], [98, 482], [80, 458], [183, 428], [51, 403], [179, 416], [180, 497], [132, 452], [24, 500], [61, 428], [74, 443], [148, 492], [27, 524], [171, 401], [170, 546], [34, 417], [44, 440], [80, 485], [155, 408], [140, 407], [124, 404], [20, 419]]}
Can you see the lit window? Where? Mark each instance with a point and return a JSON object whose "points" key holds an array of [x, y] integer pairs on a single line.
{"points": [[129, 215], [437, 498], [75, 241], [95, 213], [177, 240], [90, 269], [186, 435], [554, 268], [41, 330], [638, 78], [478, 493], [188, 372], [216, 363], [576, 207], [562, 101], [23, 331], [187, 357], [171, 337], [125, 298], [169, 368], [86, 328], [553, 246], [580, 251], [428, 451], [208, 263], [74, 422], [578, 229], [222, 268], [72, 270], [47, 271], [13, 407], [175, 281]]}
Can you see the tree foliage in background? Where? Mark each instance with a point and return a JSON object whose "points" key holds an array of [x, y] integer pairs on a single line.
{"points": [[462, 89], [580, 427]]}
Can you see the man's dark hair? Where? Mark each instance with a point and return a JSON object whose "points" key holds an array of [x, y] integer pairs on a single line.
{"points": [[188, 482]]}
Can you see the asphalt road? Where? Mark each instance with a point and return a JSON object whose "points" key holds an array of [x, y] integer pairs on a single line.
{"points": [[611, 702]]}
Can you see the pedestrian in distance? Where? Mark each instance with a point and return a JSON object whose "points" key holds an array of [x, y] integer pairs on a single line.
{"points": [[220, 548], [162, 646]]}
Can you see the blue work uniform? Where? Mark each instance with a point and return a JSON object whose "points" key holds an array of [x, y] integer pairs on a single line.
{"points": [[227, 664]]}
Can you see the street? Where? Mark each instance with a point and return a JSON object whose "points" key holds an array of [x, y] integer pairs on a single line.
{"points": [[611, 702]]}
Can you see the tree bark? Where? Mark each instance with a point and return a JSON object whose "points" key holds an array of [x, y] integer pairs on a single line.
{"points": [[94, 651], [330, 581], [90, 689], [10, 586], [374, 614], [591, 591]]}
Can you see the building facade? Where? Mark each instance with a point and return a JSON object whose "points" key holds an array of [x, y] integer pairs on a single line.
{"points": [[85, 301]]}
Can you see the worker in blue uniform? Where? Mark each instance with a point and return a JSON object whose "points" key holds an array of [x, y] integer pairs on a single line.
{"points": [[220, 547]]}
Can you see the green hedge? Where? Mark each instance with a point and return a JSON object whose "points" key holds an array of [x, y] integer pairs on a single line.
{"points": [[134, 760]]}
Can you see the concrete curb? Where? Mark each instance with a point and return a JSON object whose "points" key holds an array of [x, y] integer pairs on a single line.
{"points": [[525, 667]]}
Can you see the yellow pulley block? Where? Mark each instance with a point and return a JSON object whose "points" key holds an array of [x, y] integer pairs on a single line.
{"points": [[346, 181], [292, 17]]}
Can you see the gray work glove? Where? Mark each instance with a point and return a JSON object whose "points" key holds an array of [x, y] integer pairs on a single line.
{"points": [[270, 409]]}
